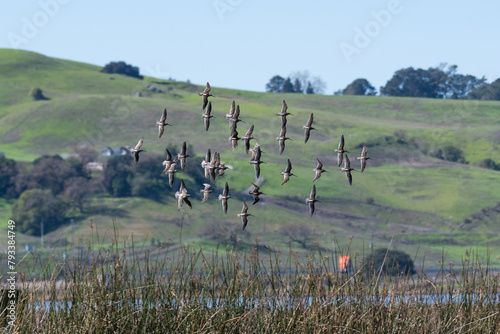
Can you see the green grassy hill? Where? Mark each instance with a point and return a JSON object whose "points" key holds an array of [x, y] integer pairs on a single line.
{"points": [[404, 193]]}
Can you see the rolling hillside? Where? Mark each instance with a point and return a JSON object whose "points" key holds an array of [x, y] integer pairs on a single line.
{"points": [[404, 193]]}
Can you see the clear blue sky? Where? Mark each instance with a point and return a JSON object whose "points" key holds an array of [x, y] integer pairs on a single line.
{"points": [[243, 43]]}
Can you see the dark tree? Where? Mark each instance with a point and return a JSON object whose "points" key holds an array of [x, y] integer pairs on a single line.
{"points": [[434, 82], [489, 164], [118, 175], [450, 153], [49, 172], [122, 68], [309, 89], [359, 87], [458, 86], [297, 232], [416, 83], [148, 180], [392, 262], [77, 191], [35, 206], [275, 85], [297, 86], [288, 86], [37, 94], [486, 91], [8, 173]]}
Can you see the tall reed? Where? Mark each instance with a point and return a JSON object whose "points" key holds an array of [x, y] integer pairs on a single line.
{"points": [[111, 288]]}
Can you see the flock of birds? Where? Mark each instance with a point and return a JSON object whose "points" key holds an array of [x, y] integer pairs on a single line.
{"points": [[214, 167]]}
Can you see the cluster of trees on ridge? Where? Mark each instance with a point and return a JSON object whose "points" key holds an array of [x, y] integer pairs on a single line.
{"points": [[435, 82]]}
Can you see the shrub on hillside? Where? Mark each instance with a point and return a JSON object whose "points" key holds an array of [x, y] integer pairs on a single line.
{"points": [[37, 94], [450, 153], [488, 163], [121, 67], [391, 262]]}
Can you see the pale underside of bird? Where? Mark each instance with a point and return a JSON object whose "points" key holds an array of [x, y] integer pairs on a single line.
{"points": [[137, 149], [362, 159], [182, 197], [308, 127], [287, 172], [340, 151], [206, 192], [205, 162], [247, 137], [318, 170], [207, 115], [183, 155], [255, 193], [224, 197], [311, 200], [347, 169], [244, 215], [205, 94]]}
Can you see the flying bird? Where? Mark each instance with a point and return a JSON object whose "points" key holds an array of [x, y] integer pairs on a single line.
{"points": [[340, 151], [213, 166], [206, 192], [347, 169], [231, 111], [233, 121], [206, 116], [224, 197], [255, 160], [318, 170], [234, 139], [168, 161], [311, 200], [137, 149], [171, 171], [182, 196], [205, 94], [287, 173], [308, 127], [281, 139], [283, 113], [183, 155], [221, 169], [206, 162], [244, 215], [362, 159], [255, 193], [247, 137], [162, 122]]}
